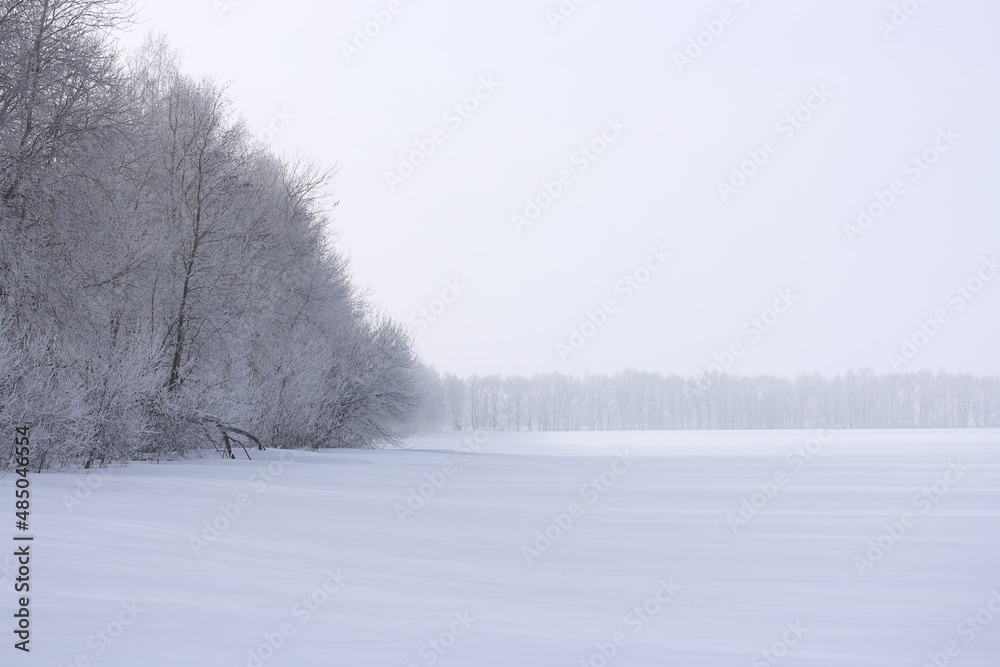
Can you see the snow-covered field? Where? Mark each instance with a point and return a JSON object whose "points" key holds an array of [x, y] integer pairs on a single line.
{"points": [[684, 548]]}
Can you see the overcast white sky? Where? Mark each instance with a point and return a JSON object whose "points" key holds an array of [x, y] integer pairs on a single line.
{"points": [[677, 132]]}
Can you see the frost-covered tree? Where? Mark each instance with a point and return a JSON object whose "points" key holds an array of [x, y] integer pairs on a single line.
{"points": [[166, 281]]}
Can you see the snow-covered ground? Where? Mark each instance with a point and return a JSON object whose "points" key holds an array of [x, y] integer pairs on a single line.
{"points": [[626, 549]]}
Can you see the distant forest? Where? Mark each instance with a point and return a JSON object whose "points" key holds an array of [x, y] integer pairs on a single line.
{"points": [[635, 400]]}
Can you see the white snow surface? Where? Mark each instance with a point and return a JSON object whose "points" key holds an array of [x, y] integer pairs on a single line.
{"points": [[118, 562]]}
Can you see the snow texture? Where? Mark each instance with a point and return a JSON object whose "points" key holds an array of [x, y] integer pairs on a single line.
{"points": [[464, 579]]}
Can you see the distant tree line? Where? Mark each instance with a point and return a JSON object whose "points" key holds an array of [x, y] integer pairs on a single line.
{"points": [[635, 400], [167, 281]]}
